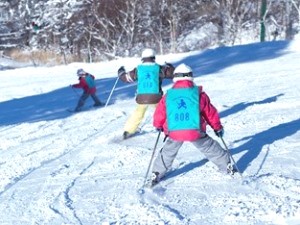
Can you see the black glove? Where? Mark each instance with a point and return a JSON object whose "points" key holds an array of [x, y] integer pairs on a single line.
{"points": [[160, 129], [121, 71], [169, 65], [219, 133]]}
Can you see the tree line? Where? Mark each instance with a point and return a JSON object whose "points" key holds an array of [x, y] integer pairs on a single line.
{"points": [[94, 30]]}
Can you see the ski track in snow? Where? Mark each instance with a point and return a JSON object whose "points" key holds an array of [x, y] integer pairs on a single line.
{"points": [[75, 171], [53, 139], [66, 207]]}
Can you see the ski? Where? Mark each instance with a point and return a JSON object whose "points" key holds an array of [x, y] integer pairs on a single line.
{"points": [[91, 107], [71, 110], [161, 186]]}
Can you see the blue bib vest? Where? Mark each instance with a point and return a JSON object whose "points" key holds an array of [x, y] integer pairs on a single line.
{"points": [[90, 81], [183, 110], [148, 79]]}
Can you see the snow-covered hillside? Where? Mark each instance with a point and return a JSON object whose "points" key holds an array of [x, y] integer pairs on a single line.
{"points": [[62, 168]]}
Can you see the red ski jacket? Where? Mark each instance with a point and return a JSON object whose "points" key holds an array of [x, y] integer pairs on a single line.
{"points": [[83, 84], [208, 115]]}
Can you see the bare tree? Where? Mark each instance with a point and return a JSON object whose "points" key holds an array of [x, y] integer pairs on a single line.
{"points": [[235, 17], [93, 30], [280, 18], [296, 4]]}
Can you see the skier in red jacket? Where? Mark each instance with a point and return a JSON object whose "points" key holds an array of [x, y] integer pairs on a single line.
{"points": [[87, 83], [183, 114]]}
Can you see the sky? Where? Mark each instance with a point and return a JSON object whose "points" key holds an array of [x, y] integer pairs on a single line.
{"points": [[59, 168]]}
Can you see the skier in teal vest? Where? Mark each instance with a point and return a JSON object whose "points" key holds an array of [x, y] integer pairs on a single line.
{"points": [[149, 76], [87, 83], [183, 114]]}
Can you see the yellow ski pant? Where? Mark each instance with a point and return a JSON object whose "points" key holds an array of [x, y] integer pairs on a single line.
{"points": [[136, 118]]}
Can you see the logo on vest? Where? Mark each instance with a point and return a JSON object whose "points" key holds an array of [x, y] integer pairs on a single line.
{"points": [[181, 104], [148, 82]]}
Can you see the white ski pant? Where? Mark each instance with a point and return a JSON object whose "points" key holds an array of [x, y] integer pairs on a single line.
{"points": [[208, 146]]}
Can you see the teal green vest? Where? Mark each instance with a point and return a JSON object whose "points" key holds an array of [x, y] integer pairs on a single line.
{"points": [[183, 110], [148, 79], [90, 81]]}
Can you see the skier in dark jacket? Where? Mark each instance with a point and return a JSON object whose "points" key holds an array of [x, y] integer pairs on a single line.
{"points": [[87, 83], [183, 114], [149, 76]]}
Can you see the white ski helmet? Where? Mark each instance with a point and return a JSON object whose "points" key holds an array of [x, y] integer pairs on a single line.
{"points": [[80, 72], [183, 72], [148, 53]]}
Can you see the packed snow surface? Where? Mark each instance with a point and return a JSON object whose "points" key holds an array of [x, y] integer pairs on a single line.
{"points": [[58, 167]]}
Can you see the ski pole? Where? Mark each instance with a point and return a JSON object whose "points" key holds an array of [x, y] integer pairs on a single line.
{"points": [[150, 163], [230, 156], [112, 91], [75, 91]]}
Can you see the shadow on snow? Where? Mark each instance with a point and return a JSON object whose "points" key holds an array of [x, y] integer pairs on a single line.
{"points": [[255, 143], [252, 147], [214, 60], [242, 106], [53, 105]]}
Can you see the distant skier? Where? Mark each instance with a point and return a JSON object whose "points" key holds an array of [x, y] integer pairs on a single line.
{"points": [[187, 122], [87, 83], [149, 76], [35, 26]]}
